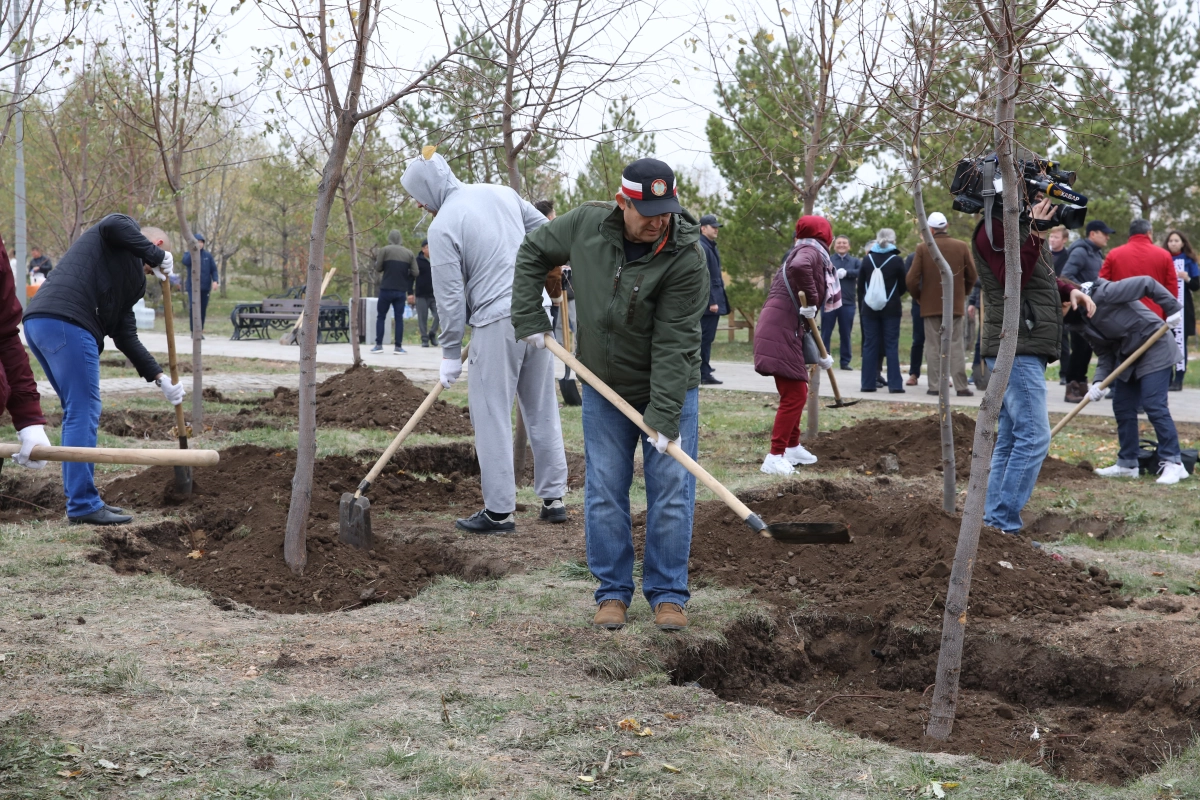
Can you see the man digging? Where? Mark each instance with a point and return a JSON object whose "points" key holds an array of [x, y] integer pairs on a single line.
{"points": [[473, 243], [642, 284]]}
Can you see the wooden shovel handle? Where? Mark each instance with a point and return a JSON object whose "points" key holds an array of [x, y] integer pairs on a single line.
{"points": [[173, 360], [673, 449], [119, 455], [812, 326], [1112, 376]]}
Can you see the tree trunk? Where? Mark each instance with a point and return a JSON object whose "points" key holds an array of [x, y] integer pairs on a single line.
{"points": [[283, 261], [355, 289], [954, 621], [193, 248], [224, 273]]}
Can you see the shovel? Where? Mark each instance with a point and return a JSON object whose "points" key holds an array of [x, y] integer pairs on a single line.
{"points": [[566, 384], [1112, 376], [354, 510], [838, 402], [786, 532], [183, 475]]}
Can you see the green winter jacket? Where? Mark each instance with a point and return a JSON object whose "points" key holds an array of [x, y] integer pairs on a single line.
{"points": [[638, 323], [1040, 330]]}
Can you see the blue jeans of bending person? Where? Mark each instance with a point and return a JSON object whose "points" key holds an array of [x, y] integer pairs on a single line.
{"points": [[1022, 442], [881, 337], [393, 299], [609, 439], [1150, 391], [843, 318], [70, 357]]}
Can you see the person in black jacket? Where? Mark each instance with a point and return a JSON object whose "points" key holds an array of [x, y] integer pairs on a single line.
{"points": [[90, 295], [881, 326], [423, 298], [718, 304]]}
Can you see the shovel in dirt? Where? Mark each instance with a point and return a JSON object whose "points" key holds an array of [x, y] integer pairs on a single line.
{"points": [[786, 532], [1112, 376], [838, 402], [354, 510], [183, 475], [566, 384]]}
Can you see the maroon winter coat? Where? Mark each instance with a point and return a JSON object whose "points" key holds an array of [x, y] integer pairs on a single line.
{"points": [[778, 343], [18, 388]]}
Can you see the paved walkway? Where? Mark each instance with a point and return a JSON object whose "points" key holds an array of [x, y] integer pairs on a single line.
{"points": [[421, 365], [227, 383]]}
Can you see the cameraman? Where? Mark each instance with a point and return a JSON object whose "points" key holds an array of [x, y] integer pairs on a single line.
{"points": [[1023, 435]]}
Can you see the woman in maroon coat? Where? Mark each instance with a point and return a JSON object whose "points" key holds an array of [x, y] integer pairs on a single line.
{"points": [[18, 388], [779, 338]]}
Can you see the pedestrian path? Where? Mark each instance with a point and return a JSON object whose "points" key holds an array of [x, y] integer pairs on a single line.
{"points": [[226, 383]]}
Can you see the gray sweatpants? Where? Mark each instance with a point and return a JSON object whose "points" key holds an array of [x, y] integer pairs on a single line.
{"points": [[499, 368]]}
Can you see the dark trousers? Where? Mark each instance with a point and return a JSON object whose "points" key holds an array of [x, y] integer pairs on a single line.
{"points": [[917, 354], [844, 319], [1150, 392], [203, 309], [708, 333], [393, 299], [1081, 359], [881, 339], [1064, 356]]}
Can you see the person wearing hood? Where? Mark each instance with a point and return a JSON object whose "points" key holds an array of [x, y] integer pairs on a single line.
{"points": [[881, 316], [641, 287], [397, 267], [779, 338], [209, 280], [473, 243]]}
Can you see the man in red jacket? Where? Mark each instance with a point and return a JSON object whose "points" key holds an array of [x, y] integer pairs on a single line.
{"points": [[1140, 256], [18, 388]]}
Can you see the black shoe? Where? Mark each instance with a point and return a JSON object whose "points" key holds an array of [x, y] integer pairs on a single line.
{"points": [[711, 381], [101, 517], [553, 510], [867, 390], [482, 521], [113, 509], [847, 368], [880, 382], [424, 344], [898, 391]]}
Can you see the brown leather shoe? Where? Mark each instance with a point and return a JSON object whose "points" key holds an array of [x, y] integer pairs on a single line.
{"points": [[1075, 393], [610, 615], [965, 393], [912, 380], [670, 617]]}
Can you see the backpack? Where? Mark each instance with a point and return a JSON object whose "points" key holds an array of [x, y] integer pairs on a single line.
{"points": [[877, 295]]}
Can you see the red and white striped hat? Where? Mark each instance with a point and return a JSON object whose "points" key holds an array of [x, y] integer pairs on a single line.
{"points": [[650, 184]]}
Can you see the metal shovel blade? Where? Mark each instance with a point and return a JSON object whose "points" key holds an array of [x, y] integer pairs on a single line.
{"points": [[183, 481], [809, 532], [843, 404], [354, 521]]}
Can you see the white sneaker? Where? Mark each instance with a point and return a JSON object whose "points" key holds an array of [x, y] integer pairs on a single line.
{"points": [[1170, 473], [776, 465], [798, 455], [1117, 471]]}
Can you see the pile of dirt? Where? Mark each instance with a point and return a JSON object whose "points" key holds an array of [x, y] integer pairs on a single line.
{"points": [[461, 457], [25, 495], [160, 425], [362, 397]]}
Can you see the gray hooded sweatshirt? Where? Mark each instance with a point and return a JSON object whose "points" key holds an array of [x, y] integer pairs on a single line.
{"points": [[473, 243], [398, 265]]}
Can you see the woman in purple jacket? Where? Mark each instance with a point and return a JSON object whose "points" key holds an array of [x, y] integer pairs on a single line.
{"points": [[779, 338]]}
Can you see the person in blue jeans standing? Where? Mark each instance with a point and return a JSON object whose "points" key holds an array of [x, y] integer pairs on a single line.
{"points": [[880, 317], [397, 267], [208, 280], [88, 296], [846, 268]]}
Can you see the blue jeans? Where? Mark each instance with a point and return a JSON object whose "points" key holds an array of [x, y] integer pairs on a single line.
{"points": [[708, 334], [609, 439], [70, 357], [1149, 391], [844, 319], [393, 299], [881, 337], [203, 309], [1022, 442]]}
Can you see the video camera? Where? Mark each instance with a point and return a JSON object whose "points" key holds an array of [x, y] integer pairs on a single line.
{"points": [[977, 188]]}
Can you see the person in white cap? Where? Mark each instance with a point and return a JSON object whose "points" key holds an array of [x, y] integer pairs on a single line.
{"points": [[925, 285]]}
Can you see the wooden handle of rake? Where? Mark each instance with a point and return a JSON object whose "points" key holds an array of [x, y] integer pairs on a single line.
{"points": [[1112, 376], [119, 455], [173, 361], [673, 450], [291, 335], [812, 326], [416, 417]]}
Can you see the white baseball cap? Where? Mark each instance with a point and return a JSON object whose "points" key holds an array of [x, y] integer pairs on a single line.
{"points": [[937, 220]]}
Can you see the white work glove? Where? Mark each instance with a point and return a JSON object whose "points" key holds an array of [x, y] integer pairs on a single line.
{"points": [[538, 340], [30, 437], [449, 371], [808, 312], [167, 268], [172, 391], [1175, 319], [660, 444], [1095, 393], [841, 273], [825, 362]]}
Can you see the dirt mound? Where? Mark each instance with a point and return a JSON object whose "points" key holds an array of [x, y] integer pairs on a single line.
{"points": [[25, 495], [1055, 471], [362, 397], [461, 457]]}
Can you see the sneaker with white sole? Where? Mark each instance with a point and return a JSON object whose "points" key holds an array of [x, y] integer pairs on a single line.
{"points": [[1170, 473], [798, 455], [1117, 471], [776, 465]]}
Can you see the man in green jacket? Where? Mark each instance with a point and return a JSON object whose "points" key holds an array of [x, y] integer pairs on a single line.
{"points": [[641, 285]]}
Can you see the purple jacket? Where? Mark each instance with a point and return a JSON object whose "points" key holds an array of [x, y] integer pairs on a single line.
{"points": [[778, 343]]}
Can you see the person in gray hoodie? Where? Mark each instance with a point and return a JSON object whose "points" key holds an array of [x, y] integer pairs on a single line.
{"points": [[1084, 259], [397, 267], [473, 242]]}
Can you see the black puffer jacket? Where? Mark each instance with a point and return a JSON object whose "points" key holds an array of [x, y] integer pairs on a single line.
{"points": [[96, 284]]}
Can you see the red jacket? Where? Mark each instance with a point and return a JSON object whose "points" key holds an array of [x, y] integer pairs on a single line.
{"points": [[18, 388], [778, 346], [1139, 256]]}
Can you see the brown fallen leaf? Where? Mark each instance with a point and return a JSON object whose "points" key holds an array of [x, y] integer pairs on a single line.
{"points": [[69, 773], [628, 724], [630, 754], [645, 732], [669, 715], [672, 768], [1158, 574], [196, 554]]}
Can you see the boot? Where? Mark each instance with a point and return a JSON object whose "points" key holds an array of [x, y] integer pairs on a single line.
{"points": [[1076, 391]]}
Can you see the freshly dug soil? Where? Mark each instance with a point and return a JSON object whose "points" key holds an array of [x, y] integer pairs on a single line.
{"points": [[160, 425], [26, 495], [461, 457], [362, 397]]}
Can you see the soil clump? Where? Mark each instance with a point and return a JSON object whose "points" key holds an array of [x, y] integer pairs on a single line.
{"points": [[26, 496], [160, 425], [362, 397]]}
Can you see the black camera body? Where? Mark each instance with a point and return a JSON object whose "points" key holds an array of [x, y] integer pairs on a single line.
{"points": [[976, 186]]}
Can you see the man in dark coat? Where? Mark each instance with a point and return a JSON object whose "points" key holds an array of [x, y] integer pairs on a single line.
{"points": [[39, 264], [423, 298], [1083, 262], [846, 267], [397, 267], [18, 387], [718, 305], [209, 280], [90, 295]]}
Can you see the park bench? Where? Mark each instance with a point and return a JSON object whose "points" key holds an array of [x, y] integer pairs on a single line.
{"points": [[257, 320]]}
